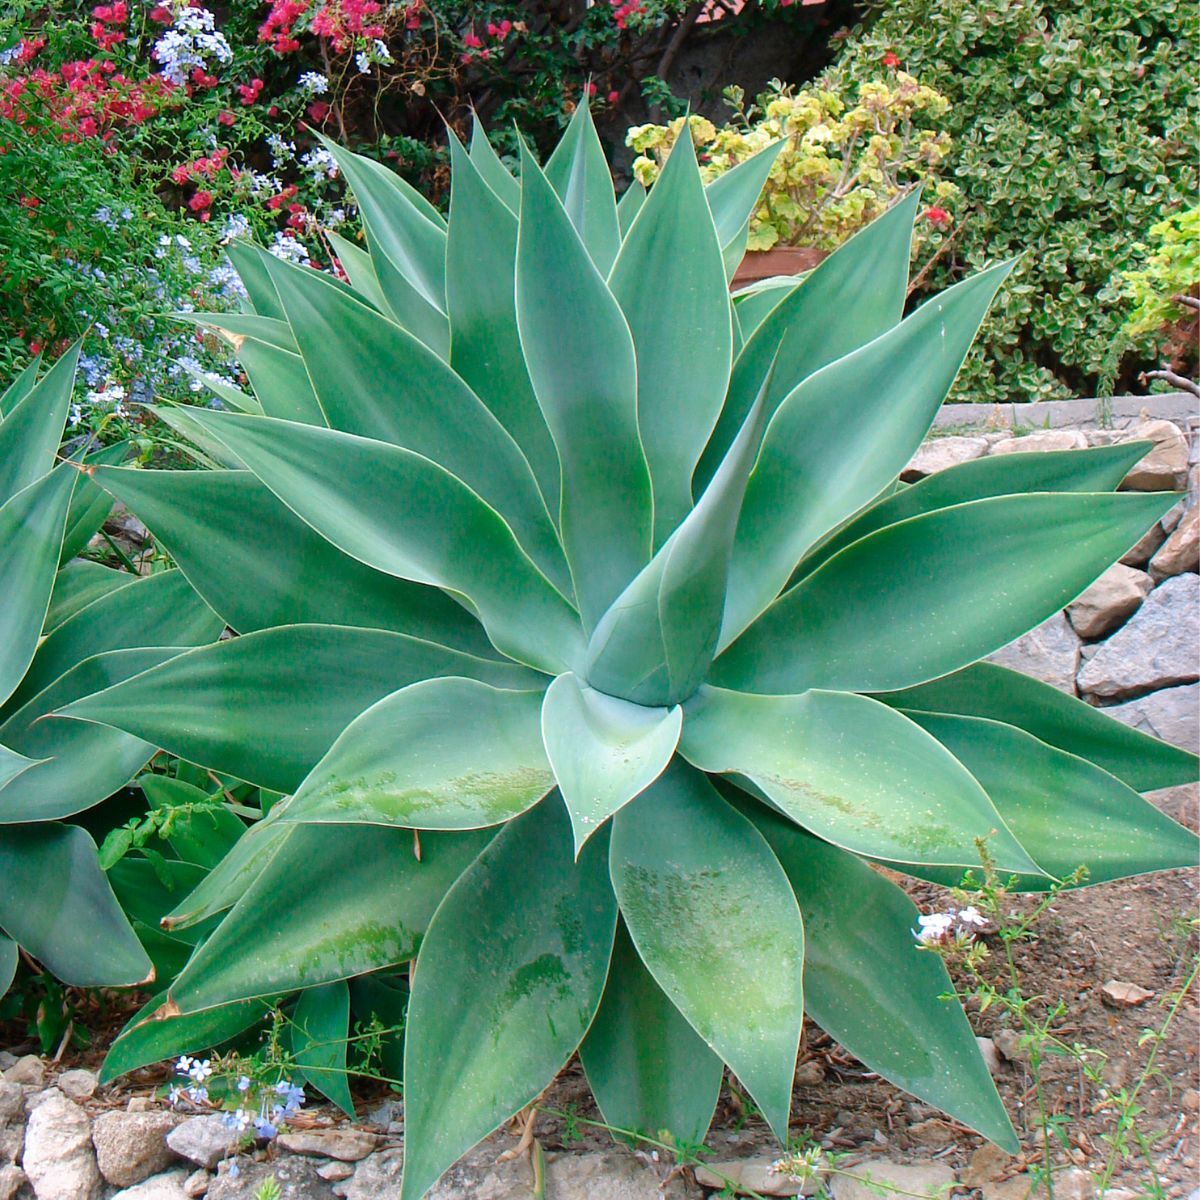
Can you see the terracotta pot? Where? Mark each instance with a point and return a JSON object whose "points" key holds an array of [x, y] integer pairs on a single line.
{"points": [[779, 260]]}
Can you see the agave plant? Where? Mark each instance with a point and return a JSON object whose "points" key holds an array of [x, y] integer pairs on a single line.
{"points": [[68, 627], [601, 655]]}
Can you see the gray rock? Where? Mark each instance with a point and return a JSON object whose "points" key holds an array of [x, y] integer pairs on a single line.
{"points": [[602, 1175], [58, 1155], [335, 1172], [387, 1113], [1112, 599], [12, 1179], [348, 1145], [12, 1101], [1165, 466], [753, 1175], [990, 1055], [1008, 1044], [1181, 551], [1045, 439], [939, 453], [204, 1141], [1049, 653], [30, 1071], [922, 1179], [196, 1184], [1156, 648], [1172, 714], [297, 1179], [1145, 547], [77, 1084], [131, 1147], [169, 1186], [7, 1060]]}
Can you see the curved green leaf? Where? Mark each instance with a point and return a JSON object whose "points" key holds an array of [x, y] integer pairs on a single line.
{"points": [[481, 250], [331, 903], [9, 957], [440, 754], [319, 1029], [580, 357], [988, 690], [647, 1067], [818, 466], [401, 513], [713, 918], [55, 901], [234, 327], [604, 751], [12, 764], [507, 982], [937, 591], [258, 565], [733, 196], [202, 830], [280, 382], [252, 272], [80, 764], [845, 768], [1099, 469], [90, 505], [212, 705], [670, 283], [374, 379], [629, 205], [1065, 811], [75, 587], [578, 172], [860, 959], [356, 262], [495, 173], [31, 532], [21, 386], [855, 295], [33, 428]]}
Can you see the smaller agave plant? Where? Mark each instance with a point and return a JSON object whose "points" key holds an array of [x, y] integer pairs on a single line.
{"points": [[602, 656], [68, 627]]}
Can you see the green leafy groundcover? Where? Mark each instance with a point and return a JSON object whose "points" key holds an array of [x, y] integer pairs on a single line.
{"points": [[604, 583]]}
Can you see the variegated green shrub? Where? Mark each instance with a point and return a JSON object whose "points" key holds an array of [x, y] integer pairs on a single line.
{"points": [[601, 654]]}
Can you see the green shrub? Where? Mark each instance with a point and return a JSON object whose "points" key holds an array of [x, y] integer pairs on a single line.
{"points": [[599, 656], [1074, 127]]}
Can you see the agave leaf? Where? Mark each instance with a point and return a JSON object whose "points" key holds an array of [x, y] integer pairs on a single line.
{"points": [[1065, 811], [319, 1029], [818, 467], [752, 306], [670, 283], [80, 764], [843, 767], [55, 902], [860, 956], [230, 396], [629, 205], [495, 174], [12, 764], [655, 644], [1096, 470], [153, 610], [481, 253], [604, 750], [407, 239], [33, 427], [578, 172], [356, 262], [988, 690], [154, 1034], [374, 379], [713, 918], [217, 526], [9, 956], [89, 505], [207, 451], [21, 386], [401, 513], [507, 982], [236, 327], [440, 754], [212, 705], [253, 274], [146, 890], [855, 295], [76, 585], [31, 532], [580, 358], [647, 1067], [938, 592], [280, 382], [733, 197], [303, 922]]}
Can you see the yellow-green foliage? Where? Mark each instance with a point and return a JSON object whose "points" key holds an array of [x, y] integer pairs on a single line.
{"points": [[848, 154], [1172, 269]]}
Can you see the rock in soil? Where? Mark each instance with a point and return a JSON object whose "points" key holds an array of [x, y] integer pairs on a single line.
{"points": [[752, 1175], [196, 1184], [1169, 713], [1118, 993], [1181, 551], [131, 1147], [204, 1141], [1165, 466], [335, 1172], [77, 1085], [59, 1158], [939, 453], [1045, 439], [921, 1179], [29, 1070], [991, 1056], [11, 1180], [1114, 597], [348, 1145], [170, 1186], [1049, 653], [297, 1179], [988, 1164]]}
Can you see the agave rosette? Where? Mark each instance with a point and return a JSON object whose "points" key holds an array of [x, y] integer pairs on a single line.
{"points": [[541, 546]]}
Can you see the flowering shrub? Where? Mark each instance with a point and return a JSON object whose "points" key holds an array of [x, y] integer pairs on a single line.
{"points": [[1074, 130], [847, 154]]}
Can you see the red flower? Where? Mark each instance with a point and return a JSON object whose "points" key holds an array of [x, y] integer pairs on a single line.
{"points": [[162, 15], [318, 110], [890, 60], [614, 96], [937, 216], [225, 117], [249, 92], [590, 88], [472, 41], [30, 202], [200, 200]]}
